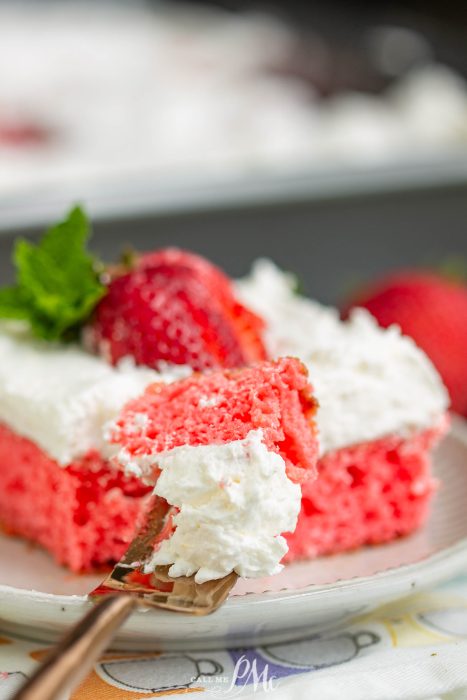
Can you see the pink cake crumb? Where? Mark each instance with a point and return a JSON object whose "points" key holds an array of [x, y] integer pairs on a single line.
{"points": [[366, 494], [226, 405], [83, 514]]}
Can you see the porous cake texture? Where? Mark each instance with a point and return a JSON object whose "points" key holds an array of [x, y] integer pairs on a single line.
{"points": [[366, 494], [219, 407], [84, 514]]}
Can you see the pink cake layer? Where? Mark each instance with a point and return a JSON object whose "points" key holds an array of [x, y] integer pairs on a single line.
{"points": [[85, 514], [366, 494], [223, 406]]}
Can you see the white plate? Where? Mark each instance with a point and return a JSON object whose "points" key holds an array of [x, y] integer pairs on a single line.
{"points": [[40, 600]]}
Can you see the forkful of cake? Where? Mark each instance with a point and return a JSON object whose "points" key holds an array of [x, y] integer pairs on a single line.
{"points": [[226, 453]]}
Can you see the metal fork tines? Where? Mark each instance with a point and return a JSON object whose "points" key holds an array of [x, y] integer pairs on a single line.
{"points": [[158, 589]]}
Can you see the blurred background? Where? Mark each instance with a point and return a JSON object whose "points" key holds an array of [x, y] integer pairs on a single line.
{"points": [[330, 136]]}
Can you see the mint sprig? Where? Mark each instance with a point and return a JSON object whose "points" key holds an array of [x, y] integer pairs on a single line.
{"points": [[57, 285]]}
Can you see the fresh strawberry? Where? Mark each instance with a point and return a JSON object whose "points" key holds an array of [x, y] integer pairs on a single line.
{"points": [[177, 307], [433, 311]]}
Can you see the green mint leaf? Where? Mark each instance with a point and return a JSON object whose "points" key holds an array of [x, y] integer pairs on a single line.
{"points": [[13, 304], [58, 284]]}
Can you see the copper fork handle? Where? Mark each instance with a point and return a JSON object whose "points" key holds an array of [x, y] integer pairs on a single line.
{"points": [[73, 658]]}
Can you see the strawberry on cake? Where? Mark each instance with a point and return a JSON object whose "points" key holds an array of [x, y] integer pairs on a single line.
{"points": [[175, 306]]}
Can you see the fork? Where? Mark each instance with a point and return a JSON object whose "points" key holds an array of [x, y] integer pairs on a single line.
{"points": [[124, 590]]}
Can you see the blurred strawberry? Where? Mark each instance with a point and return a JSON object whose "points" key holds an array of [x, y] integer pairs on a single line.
{"points": [[433, 311], [21, 134], [177, 307]]}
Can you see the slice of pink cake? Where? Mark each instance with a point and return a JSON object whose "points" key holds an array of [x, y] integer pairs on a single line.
{"points": [[382, 409]]}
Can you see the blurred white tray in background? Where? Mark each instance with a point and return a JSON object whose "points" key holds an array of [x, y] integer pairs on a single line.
{"points": [[170, 108]]}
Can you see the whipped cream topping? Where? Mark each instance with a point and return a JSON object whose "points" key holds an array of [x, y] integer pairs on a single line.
{"points": [[369, 381], [235, 501], [61, 396]]}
